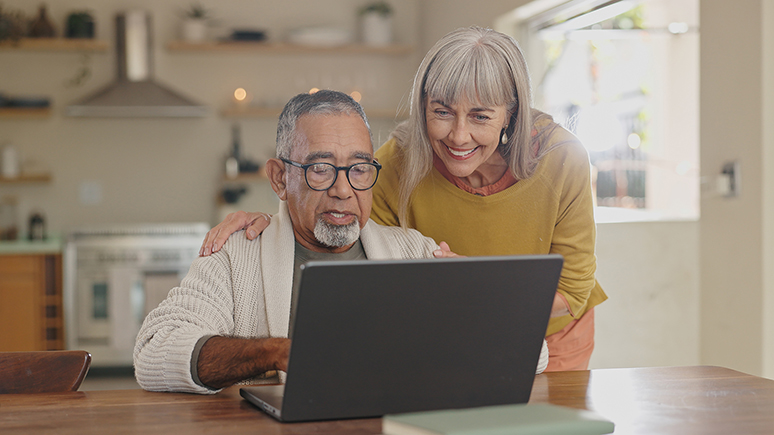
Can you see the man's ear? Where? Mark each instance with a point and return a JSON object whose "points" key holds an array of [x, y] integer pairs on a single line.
{"points": [[275, 170]]}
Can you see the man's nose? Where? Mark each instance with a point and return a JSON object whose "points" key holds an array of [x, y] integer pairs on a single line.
{"points": [[341, 187]]}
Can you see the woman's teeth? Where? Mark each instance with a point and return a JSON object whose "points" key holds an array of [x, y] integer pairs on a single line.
{"points": [[461, 153]]}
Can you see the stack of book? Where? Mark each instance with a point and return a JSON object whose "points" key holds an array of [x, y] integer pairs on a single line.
{"points": [[523, 419]]}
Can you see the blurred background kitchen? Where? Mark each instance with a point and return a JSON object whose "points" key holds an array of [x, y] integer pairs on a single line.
{"points": [[104, 199]]}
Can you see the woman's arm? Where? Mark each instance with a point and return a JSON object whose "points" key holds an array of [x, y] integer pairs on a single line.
{"points": [[575, 230], [254, 223]]}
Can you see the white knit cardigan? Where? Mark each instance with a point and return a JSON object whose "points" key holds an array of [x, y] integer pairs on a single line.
{"points": [[243, 290]]}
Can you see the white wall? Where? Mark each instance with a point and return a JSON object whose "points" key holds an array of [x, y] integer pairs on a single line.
{"points": [[649, 271], [440, 17], [731, 234], [768, 186]]}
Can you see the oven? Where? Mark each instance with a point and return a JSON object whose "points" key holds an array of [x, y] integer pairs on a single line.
{"points": [[113, 276]]}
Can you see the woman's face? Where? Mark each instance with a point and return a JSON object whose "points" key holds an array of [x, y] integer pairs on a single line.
{"points": [[465, 136]]}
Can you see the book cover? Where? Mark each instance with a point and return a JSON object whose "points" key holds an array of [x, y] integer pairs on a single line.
{"points": [[523, 419]]}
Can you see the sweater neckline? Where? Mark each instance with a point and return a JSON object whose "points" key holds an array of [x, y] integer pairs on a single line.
{"points": [[506, 181]]}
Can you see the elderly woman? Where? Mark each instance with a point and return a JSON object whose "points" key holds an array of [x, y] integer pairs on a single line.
{"points": [[477, 167]]}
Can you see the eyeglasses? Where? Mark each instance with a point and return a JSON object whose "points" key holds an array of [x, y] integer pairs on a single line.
{"points": [[322, 176]]}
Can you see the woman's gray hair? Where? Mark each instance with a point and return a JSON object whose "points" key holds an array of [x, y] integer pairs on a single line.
{"points": [[469, 64], [324, 102]]}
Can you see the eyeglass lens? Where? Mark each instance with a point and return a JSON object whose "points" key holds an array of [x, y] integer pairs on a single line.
{"points": [[321, 176]]}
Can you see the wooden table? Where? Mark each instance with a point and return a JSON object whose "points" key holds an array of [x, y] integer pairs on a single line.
{"points": [[671, 400]]}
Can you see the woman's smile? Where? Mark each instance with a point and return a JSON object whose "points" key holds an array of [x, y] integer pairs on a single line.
{"points": [[461, 154]]}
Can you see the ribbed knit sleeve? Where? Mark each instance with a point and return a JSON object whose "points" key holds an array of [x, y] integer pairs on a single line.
{"points": [[543, 359], [222, 294], [202, 305]]}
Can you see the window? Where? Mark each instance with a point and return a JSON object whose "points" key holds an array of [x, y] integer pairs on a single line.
{"points": [[624, 77]]}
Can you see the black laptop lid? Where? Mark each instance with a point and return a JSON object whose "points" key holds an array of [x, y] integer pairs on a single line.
{"points": [[378, 337]]}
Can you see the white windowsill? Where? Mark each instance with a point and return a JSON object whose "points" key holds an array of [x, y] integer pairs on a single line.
{"points": [[612, 215]]}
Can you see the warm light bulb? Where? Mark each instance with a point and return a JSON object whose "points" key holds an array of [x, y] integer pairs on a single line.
{"points": [[240, 94], [634, 141], [356, 96]]}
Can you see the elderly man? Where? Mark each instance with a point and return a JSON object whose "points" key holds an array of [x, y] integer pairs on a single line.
{"points": [[228, 321]]}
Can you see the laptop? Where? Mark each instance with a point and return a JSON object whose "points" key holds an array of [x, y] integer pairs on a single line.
{"points": [[381, 337]]}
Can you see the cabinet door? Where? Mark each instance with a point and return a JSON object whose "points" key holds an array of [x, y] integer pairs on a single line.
{"points": [[22, 283]]}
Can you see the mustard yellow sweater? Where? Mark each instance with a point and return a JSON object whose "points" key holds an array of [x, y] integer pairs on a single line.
{"points": [[551, 212]]}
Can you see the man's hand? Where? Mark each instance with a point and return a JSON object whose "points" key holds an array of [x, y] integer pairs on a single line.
{"points": [[254, 223], [445, 251], [224, 361]]}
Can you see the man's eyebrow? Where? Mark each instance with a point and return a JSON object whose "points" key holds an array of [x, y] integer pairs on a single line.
{"points": [[319, 155], [363, 156]]}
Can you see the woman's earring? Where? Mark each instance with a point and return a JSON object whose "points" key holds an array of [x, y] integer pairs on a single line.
{"points": [[504, 138]]}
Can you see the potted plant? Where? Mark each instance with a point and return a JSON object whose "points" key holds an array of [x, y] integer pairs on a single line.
{"points": [[194, 27], [376, 23]]}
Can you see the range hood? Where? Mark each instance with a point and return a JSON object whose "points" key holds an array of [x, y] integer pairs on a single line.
{"points": [[135, 93]]}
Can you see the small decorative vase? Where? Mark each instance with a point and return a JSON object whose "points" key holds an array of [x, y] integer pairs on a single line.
{"points": [[41, 27], [194, 30], [376, 29]]}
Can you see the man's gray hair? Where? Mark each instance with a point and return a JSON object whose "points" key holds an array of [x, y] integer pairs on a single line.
{"points": [[324, 102]]}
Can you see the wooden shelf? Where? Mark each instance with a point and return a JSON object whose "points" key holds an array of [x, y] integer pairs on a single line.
{"points": [[283, 48], [251, 112], [25, 112], [254, 177], [55, 44], [27, 179]]}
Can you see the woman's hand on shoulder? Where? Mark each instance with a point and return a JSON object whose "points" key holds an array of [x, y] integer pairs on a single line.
{"points": [[254, 223], [445, 252]]}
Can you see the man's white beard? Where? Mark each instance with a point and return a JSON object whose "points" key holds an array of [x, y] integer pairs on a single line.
{"points": [[336, 236]]}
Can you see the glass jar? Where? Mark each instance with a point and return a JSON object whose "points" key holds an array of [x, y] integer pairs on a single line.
{"points": [[9, 218]]}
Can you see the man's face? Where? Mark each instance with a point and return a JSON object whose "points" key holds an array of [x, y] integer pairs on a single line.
{"points": [[341, 140]]}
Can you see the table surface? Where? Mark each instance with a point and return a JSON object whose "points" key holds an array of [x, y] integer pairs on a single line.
{"points": [[663, 400]]}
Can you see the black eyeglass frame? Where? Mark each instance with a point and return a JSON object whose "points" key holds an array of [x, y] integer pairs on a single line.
{"points": [[305, 167]]}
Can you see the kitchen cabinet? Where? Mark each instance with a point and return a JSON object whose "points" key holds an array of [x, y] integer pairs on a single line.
{"points": [[31, 302]]}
